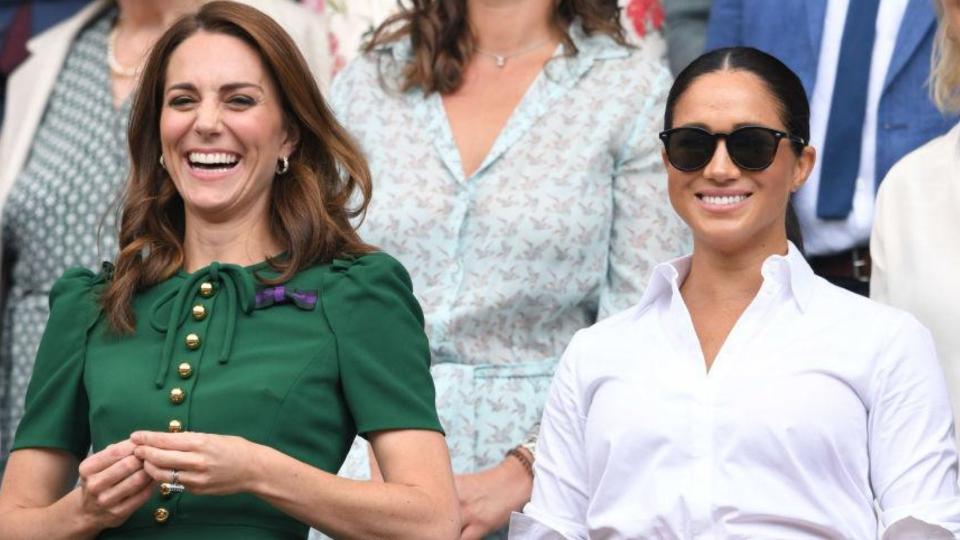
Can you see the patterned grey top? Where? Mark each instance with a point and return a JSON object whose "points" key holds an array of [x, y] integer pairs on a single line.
{"points": [[60, 212]]}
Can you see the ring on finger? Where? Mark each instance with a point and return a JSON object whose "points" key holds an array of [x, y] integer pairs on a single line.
{"points": [[174, 477]]}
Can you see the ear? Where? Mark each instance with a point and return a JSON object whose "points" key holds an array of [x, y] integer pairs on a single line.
{"points": [[663, 156], [291, 139], [803, 167]]}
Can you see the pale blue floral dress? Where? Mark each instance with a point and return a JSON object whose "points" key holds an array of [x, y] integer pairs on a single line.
{"points": [[559, 226]]}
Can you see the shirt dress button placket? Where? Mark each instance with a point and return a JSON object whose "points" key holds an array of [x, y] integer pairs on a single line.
{"points": [[178, 395]]}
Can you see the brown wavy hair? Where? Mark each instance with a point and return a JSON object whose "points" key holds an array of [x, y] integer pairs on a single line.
{"points": [[443, 42], [327, 185]]}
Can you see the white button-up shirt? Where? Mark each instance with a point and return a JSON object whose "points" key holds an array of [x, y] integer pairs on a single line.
{"points": [[818, 403]]}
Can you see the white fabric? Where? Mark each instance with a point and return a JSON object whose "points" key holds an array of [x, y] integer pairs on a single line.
{"points": [[914, 246], [823, 237], [818, 402]]}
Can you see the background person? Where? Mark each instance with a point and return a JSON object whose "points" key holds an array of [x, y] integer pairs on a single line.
{"points": [[63, 159], [518, 228], [245, 335], [709, 378], [914, 241], [864, 64]]}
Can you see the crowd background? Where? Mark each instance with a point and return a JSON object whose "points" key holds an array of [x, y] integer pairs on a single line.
{"points": [[865, 65]]}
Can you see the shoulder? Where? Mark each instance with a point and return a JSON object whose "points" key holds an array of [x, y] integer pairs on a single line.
{"points": [[641, 63], [934, 162], [861, 319], [372, 266], [369, 281], [75, 295], [613, 336]]}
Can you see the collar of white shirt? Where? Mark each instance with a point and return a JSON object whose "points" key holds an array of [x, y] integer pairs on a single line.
{"points": [[790, 269]]}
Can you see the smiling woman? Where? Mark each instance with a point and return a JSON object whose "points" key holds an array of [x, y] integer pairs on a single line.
{"points": [[244, 336], [764, 401]]}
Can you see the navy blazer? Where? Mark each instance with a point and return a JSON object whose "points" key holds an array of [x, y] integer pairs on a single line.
{"points": [[791, 30]]}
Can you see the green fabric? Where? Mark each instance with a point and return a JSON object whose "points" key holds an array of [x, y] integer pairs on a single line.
{"points": [[304, 381]]}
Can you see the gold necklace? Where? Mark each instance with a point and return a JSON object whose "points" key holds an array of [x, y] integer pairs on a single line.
{"points": [[116, 67]]}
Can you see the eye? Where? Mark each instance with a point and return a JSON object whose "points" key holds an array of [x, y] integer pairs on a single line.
{"points": [[180, 102], [241, 101]]}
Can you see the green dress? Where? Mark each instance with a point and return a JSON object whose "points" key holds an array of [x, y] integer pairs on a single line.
{"points": [[303, 367]]}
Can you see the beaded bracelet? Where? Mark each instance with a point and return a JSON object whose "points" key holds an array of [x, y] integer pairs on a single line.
{"points": [[522, 458]]}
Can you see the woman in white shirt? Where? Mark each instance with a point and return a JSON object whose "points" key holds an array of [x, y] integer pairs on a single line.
{"points": [[744, 397]]}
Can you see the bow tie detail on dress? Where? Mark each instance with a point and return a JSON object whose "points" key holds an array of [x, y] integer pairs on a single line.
{"points": [[236, 285], [269, 296]]}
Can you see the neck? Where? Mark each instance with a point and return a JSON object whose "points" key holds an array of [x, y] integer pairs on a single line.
{"points": [[503, 26], [729, 275], [242, 241], [155, 14]]}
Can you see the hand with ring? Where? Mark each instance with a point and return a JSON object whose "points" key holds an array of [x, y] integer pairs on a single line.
{"points": [[203, 463], [173, 486]]}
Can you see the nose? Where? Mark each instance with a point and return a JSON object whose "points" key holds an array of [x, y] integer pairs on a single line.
{"points": [[721, 168], [207, 122]]}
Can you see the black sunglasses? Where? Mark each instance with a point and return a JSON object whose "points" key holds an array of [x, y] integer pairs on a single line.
{"points": [[752, 148]]}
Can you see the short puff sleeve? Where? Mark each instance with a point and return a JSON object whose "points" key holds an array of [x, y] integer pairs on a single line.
{"points": [[382, 350], [56, 409]]}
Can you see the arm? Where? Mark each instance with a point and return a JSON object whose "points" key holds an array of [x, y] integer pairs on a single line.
{"points": [[560, 493], [488, 497], [725, 27], [644, 230], [416, 499], [913, 457], [38, 498]]}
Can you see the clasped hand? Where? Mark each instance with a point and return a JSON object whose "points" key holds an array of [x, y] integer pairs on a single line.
{"points": [[206, 464], [117, 480]]}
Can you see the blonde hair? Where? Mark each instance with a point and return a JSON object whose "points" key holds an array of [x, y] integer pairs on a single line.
{"points": [[945, 64]]}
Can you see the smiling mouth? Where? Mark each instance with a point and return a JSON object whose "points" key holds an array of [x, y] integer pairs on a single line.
{"points": [[723, 200], [213, 162]]}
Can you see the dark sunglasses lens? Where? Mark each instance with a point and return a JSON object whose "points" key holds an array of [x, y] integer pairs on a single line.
{"points": [[690, 149], [752, 148]]}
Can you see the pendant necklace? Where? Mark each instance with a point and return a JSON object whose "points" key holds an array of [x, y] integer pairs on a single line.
{"points": [[501, 59]]}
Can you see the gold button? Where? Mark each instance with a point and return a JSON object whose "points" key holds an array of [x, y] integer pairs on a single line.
{"points": [[174, 426], [161, 515], [192, 341], [206, 289], [199, 312], [177, 395], [165, 490], [185, 370]]}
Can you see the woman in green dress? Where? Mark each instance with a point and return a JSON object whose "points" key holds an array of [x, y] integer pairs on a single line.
{"points": [[221, 367]]}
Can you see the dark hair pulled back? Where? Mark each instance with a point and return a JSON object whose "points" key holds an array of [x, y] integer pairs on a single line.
{"points": [[783, 84]]}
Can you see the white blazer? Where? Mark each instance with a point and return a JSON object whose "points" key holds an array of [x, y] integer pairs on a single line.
{"points": [[30, 85], [915, 246]]}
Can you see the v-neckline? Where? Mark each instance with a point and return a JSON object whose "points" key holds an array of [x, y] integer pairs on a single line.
{"points": [[535, 102]]}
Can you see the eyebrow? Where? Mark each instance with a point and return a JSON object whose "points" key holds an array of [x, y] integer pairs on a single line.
{"points": [[229, 87]]}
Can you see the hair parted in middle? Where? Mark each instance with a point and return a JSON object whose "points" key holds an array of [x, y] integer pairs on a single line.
{"points": [[311, 206], [443, 42], [784, 86]]}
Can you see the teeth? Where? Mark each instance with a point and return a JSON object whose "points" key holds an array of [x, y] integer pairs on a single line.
{"points": [[214, 158], [723, 200]]}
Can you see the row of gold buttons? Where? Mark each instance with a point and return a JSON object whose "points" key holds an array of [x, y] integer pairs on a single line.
{"points": [[177, 394]]}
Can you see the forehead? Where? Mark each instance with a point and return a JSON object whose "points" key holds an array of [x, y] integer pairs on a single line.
{"points": [[723, 100], [207, 57]]}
